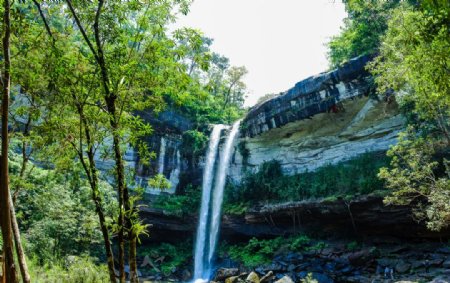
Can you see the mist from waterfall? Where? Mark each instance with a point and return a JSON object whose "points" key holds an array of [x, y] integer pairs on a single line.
{"points": [[210, 211]]}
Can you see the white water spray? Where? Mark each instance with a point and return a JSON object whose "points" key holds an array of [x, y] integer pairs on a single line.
{"points": [[199, 268]]}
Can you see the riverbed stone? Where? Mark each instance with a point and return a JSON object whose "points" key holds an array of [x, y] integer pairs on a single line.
{"points": [[223, 273], [402, 267], [252, 278], [267, 278], [285, 279]]}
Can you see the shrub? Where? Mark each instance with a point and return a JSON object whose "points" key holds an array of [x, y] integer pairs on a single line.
{"points": [[173, 255], [257, 252], [180, 204], [80, 270], [270, 185]]}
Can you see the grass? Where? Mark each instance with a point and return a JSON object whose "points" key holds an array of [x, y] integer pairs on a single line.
{"points": [[79, 270]]}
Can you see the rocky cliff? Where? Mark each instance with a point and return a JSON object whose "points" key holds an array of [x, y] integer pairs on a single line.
{"points": [[322, 120], [165, 141]]}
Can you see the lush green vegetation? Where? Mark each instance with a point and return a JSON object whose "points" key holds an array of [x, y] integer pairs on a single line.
{"points": [[411, 39], [57, 216], [363, 28], [260, 251], [75, 269], [270, 185], [167, 257], [414, 61], [80, 72], [181, 204]]}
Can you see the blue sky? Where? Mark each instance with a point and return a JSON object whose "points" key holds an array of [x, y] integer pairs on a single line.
{"points": [[279, 41]]}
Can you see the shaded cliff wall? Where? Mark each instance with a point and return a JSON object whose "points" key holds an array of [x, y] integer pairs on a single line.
{"points": [[322, 120], [166, 141]]}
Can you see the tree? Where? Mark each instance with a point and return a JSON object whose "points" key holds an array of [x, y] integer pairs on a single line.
{"points": [[5, 204], [414, 62], [362, 31], [413, 179]]}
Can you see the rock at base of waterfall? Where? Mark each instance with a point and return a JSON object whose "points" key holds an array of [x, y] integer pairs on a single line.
{"points": [[285, 279], [223, 273], [252, 278], [267, 278]]}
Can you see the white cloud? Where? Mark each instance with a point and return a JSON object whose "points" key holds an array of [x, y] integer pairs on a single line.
{"points": [[279, 41]]}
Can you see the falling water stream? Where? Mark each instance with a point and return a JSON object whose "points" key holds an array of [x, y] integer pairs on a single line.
{"points": [[210, 211], [199, 268], [162, 156]]}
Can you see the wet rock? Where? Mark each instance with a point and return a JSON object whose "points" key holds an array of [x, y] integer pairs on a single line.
{"points": [[186, 275], [387, 262], [446, 264], [441, 279], [252, 278], [275, 267], [322, 278], [294, 257], [232, 279], [267, 278], [360, 258], [223, 273], [402, 267], [291, 267], [285, 279], [444, 250]]}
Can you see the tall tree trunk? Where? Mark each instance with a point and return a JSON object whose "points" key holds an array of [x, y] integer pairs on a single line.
{"points": [[10, 269], [132, 239], [98, 200], [19, 249], [110, 99], [134, 278]]}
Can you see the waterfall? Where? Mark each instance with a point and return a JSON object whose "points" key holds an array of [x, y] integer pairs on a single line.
{"points": [[210, 210], [162, 156], [221, 175], [208, 171], [174, 177]]}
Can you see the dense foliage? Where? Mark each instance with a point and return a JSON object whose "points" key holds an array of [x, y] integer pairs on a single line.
{"points": [[363, 28], [80, 72], [414, 62], [166, 257], [257, 252], [57, 216], [181, 204], [270, 185]]}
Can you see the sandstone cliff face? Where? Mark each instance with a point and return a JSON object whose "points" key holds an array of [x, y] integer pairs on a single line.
{"points": [[323, 120]]}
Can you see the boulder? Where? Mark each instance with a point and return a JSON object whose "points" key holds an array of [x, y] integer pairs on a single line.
{"points": [[446, 264], [223, 273], [440, 279], [322, 278], [285, 279], [402, 267], [360, 258], [267, 278], [232, 279], [252, 278], [186, 275]]}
